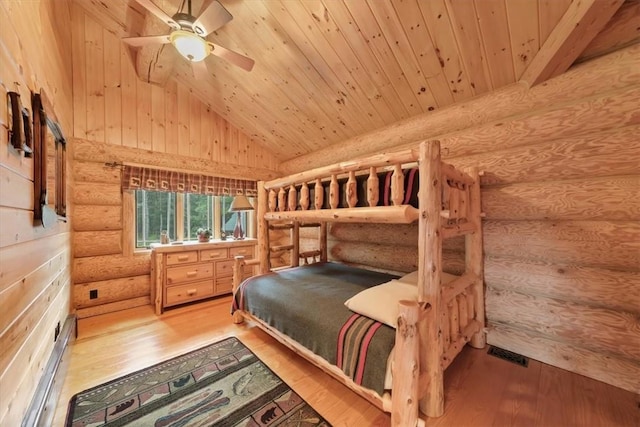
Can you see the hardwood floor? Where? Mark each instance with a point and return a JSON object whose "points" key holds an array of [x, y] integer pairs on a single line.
{"points": [[480, 390]]}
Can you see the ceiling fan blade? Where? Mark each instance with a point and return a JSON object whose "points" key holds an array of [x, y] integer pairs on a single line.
{"points": [[213, 17], [146, 40], [200, 70], [235, 58], [151, 7]]}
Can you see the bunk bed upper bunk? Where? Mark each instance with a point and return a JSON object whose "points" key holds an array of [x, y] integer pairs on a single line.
{"points": [[432, 327]]}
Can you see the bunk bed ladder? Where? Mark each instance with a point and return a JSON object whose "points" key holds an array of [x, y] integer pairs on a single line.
{"points": [[293, 247], [321, 252]]}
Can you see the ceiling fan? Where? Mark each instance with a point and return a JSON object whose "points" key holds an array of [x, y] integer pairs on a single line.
{"points": [[188, 35]]}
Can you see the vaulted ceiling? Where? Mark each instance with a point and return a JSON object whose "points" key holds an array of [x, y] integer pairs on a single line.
{"points": [[328, 70]]}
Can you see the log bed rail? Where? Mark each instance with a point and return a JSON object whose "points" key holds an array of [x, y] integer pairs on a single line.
{"points": [[431, 331]]}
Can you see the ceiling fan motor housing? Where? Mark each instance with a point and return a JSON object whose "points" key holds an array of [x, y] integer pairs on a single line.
{"points": [[186, 23]]}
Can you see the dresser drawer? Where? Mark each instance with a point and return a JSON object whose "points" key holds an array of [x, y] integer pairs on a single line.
{"points": [[247, 251], [182, 258], [188, 273], [224, 268], [213, 254], [190, 292], [223, 285]]}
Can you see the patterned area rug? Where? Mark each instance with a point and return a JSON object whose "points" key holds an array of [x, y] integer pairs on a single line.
{"points": [[223, 384]]}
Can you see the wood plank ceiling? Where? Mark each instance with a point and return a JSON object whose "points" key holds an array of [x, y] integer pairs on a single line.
{"points": [[328, 70]]}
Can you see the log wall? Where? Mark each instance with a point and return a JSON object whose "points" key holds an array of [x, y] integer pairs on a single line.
{"points": [[35, 273], [561, 195], [120, 119]]}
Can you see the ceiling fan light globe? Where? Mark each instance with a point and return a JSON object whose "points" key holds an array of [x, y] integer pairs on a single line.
{"points": [[190, 45]]}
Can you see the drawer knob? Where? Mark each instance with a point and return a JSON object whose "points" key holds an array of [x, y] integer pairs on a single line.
{"points": [[192, 292], [192, 273]]}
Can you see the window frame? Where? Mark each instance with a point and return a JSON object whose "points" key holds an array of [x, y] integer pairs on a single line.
{"points": [[130, 226]]}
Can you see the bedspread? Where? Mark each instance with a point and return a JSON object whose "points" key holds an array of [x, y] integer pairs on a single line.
{"points": [[307, 304]]}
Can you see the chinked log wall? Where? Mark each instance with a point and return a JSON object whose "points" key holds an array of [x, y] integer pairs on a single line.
{"points": [[562, 198], [118, 118]]}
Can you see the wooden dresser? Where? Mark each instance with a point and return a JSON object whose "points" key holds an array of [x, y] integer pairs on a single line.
{"points": [[193, 271]]}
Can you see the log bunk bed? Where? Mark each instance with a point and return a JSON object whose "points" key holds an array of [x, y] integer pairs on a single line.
{"points": [[431, 330]]}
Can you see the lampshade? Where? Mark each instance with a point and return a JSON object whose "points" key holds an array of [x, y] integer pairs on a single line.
{"points": [[240, 203], [190, 45]]}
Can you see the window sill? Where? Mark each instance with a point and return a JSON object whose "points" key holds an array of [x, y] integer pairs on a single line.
{"points": [[194, 244]]}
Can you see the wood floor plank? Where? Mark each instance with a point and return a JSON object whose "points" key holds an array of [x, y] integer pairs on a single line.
{"points": [[518, 401], [480, 390]]}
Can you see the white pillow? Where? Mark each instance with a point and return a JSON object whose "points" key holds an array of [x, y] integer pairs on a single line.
{"points": [[412, 278], [381, 302]]}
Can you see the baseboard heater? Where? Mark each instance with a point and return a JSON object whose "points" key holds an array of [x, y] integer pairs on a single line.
{"points": [[45, 399]]}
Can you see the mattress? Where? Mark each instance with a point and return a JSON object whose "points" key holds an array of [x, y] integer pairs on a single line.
{"points": [[307, 304]]}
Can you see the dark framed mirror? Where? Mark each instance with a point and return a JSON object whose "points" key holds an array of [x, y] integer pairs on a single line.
{"points": [[50, 159]]}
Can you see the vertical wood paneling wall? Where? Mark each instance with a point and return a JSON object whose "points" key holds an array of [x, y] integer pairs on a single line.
{"points": [[118, 118], [35, 273], [562, 201], [111, 105]]}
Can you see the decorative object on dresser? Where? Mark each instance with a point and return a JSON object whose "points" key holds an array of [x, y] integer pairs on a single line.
{"points": [[240, 204], [194, 271], [204, 234], [221, 384]]}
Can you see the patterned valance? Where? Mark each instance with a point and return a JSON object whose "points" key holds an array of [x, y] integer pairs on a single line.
{"points": [[141, 178]]}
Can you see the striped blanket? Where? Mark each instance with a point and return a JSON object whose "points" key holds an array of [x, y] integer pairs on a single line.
{"points": [[353, 343], [307, 304]]}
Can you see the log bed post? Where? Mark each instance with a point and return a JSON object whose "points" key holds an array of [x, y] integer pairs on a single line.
{"points": [[318, 203], [323, 241], [406, 367], [430, 266], [295, 242], [238, 267], [474, 257], [263, 229]]}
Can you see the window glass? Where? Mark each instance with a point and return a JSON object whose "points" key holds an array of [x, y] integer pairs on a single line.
{"points": [[155, 212], [198, 213], [182, 214]]}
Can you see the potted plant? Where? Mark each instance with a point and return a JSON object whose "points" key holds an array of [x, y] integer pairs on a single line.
{"points": [[204, 234]]}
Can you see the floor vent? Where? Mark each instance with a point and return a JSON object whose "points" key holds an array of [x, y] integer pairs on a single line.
{"points": [[509, 356]]}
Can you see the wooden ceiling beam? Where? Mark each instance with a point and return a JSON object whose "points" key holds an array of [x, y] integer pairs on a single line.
{"points": [[154, 63], [579, 25], [622, 30]]}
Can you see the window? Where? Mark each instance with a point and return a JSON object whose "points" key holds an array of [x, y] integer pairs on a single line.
{"points": [[155, 212], [181, 214]]}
